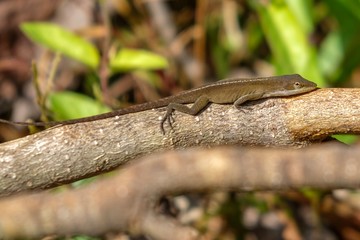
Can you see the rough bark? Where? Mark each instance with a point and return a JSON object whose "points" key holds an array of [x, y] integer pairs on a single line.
{"points": [[71, 152], [125, 202]]}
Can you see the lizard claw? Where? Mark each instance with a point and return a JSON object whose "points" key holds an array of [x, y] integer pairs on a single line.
{"points": [[169, 118], [162, 128]]}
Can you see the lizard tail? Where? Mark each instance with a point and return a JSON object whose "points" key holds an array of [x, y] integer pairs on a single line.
{"points": [[38, 124]]}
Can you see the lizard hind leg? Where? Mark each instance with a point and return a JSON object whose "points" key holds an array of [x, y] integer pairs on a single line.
{"points": [[198, 105]]}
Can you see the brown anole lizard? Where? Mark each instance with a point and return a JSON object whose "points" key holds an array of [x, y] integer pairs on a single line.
{"points": [[235, 91]]}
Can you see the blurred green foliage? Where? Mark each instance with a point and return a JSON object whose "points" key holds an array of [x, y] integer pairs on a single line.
{"points": [[317, 39], [70, 105], [60, 40], [65, 42]]}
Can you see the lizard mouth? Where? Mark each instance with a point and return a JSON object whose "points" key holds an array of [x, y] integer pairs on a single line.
{"points": [[291, 92]]}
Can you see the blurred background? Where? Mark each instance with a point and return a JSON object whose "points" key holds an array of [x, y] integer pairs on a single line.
{"points": [[68, 59]]}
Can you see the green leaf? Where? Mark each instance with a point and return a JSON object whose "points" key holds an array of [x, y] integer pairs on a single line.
{"points": [[71, 105], [132, 59], [347, 15], [288, 40], [302, 11], [331, 53], [61, 40], [347, 139]]}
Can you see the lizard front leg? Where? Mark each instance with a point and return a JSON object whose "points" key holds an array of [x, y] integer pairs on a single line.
{"points": [[247, 97], [198, 105]]}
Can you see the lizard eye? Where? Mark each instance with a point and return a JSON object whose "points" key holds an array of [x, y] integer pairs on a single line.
{"points": [[297, 85]]}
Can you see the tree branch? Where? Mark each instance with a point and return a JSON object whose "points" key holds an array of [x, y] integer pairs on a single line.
{"points": [[125, 202], [71, 152]]}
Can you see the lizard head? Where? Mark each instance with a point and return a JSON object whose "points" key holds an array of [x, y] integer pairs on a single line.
{"points": [[293, 85]]}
